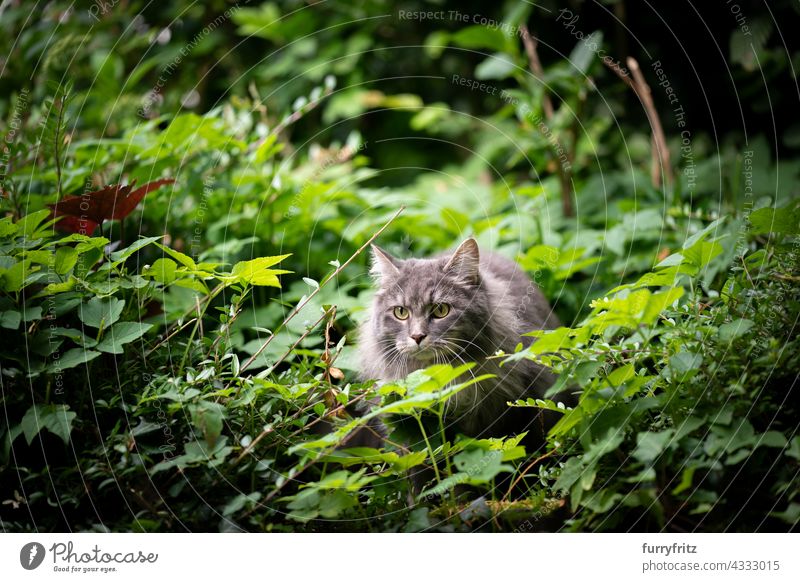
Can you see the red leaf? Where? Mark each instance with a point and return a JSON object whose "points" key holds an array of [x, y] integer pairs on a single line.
{"points": [[76, 224], [113, 202]]}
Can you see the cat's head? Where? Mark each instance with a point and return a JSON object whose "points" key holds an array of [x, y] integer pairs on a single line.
{"points": [[428, 310]]}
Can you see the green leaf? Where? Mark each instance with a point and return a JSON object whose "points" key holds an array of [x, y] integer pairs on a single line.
{"points": [[649, 445], [72, 358], [66, 257], [123, 254], [120, 334], [28, 224], [56, 418], [702, 253], [10, 319], [268, 148], [7, 228], [783, 220], [208, 418], [99, 312], [478, 466], [684, 365], [583, 53], [686, 480], [184, 260], [552, 340], [417, 520], [621, 375], [257, 271], [658, 302], [732, 330], [54, 288], [163, 271], [497, 66], [793, 450], [13, 278], [240, 502], [480, 37], [772, 438]]}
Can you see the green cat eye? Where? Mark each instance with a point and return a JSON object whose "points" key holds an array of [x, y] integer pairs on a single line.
{"points": [[401, 312], [440, 310]]}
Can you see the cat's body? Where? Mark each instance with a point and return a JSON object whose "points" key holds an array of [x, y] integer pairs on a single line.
{"points": [[456, 308]]}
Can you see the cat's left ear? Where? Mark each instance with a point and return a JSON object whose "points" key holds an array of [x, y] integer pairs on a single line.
{"points": [[383, 264], [465, 262]]}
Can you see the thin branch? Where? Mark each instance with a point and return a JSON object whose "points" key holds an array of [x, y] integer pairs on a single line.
{"points": [[531, 43], [535, 66], [56, 152], [169, 337], [660, 152], [301, 338], [333, 275], [206, 298], [251, 446], [530, 466]]}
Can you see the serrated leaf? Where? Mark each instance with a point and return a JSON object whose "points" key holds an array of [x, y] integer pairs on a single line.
{"points": [[257, 271]]}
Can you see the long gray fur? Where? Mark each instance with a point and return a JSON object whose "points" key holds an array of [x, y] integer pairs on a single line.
{"points": [[493, 302]]}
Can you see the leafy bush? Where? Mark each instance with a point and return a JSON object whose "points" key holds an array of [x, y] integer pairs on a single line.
{"points": [[180, 355]]}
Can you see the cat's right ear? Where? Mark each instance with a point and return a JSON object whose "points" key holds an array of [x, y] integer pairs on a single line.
{"points": [[383, 264]]}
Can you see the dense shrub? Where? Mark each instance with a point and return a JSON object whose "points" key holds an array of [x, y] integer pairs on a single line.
{"points": [[179, 291]]}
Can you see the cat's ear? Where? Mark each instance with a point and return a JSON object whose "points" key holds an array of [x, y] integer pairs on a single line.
{"points": [[383, 264], [465, 262]]}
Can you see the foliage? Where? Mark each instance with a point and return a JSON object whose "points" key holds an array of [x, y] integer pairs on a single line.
{"points": [[183, 358]]}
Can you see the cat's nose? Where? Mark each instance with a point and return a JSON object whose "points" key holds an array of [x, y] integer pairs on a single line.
{"points": [[418, 337]]}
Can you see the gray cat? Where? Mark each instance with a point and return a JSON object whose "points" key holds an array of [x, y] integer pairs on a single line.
{"points": [[456, 308]]}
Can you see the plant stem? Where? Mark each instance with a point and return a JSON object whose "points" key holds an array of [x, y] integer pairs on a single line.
{"points": [[429, 447], [198, 323]]}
